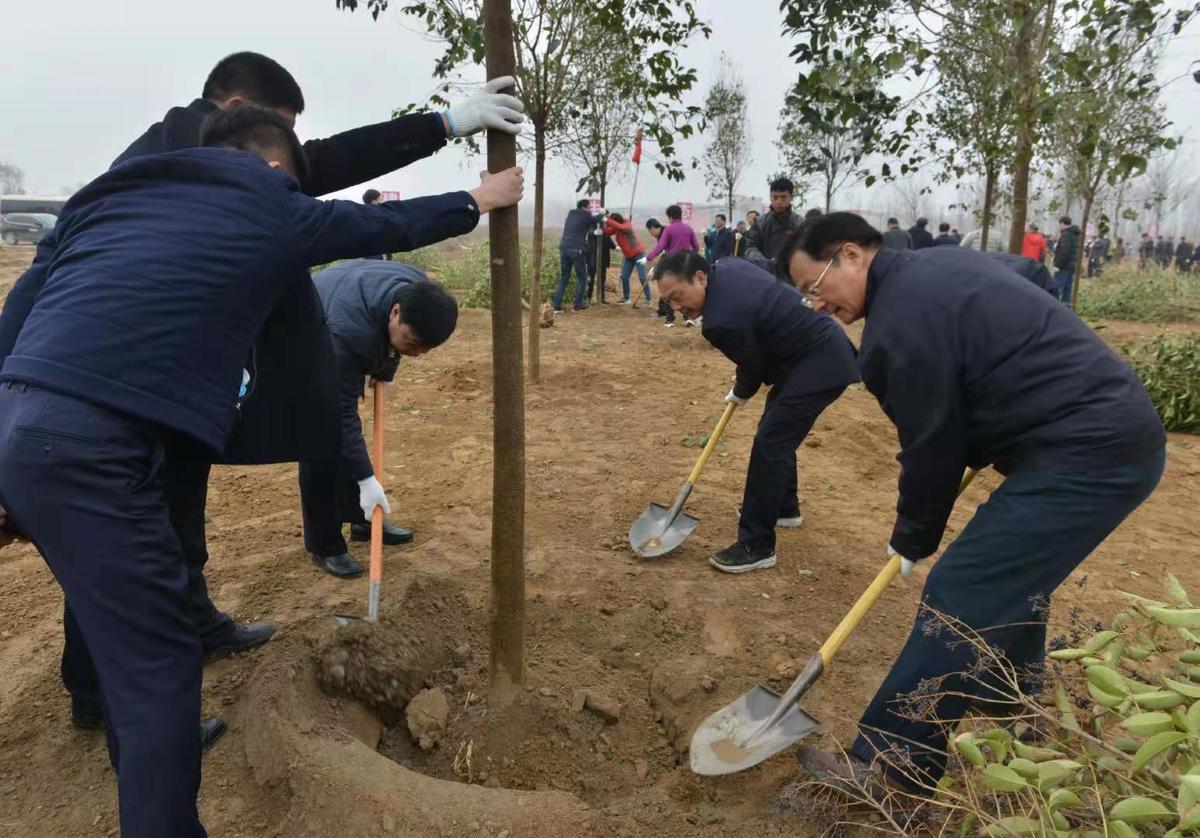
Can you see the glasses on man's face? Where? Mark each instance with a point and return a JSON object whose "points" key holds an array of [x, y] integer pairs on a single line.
{"points": [[814, 290]]}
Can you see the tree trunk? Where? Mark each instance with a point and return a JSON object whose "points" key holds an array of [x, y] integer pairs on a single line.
{"points": [[537, 254], [989, 198], [507, 605], [601, 274], [1080, 257], [828, 195], [1026, 88]]}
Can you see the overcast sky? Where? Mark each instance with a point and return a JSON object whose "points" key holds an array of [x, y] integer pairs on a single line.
{"points": [[74, 94]]}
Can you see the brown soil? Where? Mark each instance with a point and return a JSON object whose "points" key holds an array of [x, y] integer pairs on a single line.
{"points": [[662, 641]]}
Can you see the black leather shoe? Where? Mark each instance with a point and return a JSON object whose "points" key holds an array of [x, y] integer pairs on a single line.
{"points": [[211, 729], [242, 638], [392, 534], [342, 566]]}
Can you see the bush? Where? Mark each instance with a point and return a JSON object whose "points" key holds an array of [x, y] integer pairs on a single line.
{"points": [[474, 271], [1154, 295], [1169, 367]]}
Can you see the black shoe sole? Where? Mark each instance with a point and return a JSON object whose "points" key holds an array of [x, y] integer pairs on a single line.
{"points": [[317, 561], [212, 737], [769, 561], [389, 540]]}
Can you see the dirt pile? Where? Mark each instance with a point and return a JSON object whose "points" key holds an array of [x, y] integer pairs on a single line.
{"points": [[385, 664]]}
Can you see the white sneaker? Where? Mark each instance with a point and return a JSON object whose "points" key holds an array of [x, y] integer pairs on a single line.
{"points": [[669, 324], [626, 302], [688, 323]]}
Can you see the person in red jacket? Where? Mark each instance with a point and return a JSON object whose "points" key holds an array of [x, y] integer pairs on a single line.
{"points": [[1034, 245], [616, 226]]}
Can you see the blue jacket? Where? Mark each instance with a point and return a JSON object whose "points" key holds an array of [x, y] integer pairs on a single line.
{"points": [[976, 366], [720, 243], [141, 314], [578, 223], [293, 412], [358, 297], [765, 328]]}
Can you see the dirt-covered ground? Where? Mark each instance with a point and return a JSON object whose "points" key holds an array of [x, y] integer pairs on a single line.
{"points": [[656, 643]]}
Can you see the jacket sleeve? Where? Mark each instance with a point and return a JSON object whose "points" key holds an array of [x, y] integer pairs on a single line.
{"points": [[370, 151], [355, 460], [658, 248], [331, 230], [752, 249], [924, 400], [20, 299], [695, 243]]}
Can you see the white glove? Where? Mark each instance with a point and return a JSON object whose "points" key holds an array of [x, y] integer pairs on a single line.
{"points": [[735, 399], [641, 261], [370, 495], [489, 109], [906, 566]]}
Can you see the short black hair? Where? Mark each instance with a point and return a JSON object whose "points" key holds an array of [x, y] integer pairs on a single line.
{"points": [[922, 221], [653, 222], [755, 213], [1066, 219], [681, 263], [429, 309], [943, 227], [257, 130], [814, 213], [721, 216], [582, 203], [262, 80], [617, 217], [893, 221], [820, 238], [371, 196], [675, 212], [783, 184]]}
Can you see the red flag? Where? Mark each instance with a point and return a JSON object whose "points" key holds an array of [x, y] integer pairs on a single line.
{"points": [[637, 148]]}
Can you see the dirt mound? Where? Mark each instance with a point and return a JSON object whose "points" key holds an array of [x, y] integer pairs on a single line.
{"points": [[385, 664]]}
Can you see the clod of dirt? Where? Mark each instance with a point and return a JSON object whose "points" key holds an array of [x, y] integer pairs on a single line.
{"points": [[427, 715], [385, 664], [604, 706]]}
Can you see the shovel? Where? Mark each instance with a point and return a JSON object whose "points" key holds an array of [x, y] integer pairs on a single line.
{"points": [[659, 530], [760, 724], [375, 572]]}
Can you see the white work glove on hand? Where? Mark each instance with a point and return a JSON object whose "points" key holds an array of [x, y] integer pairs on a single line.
{"points": [[735, 398], [906, 566], [370, 495], [488, 110], [641, 261]]}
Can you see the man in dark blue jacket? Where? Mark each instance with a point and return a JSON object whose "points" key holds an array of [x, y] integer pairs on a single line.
{"points": [[376, 312], [291, 410], [139, 338], [765, 328], [579, 222], [977, 367], [719, 240]]}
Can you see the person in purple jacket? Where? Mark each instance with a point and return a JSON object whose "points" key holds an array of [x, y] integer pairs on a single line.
{"points": [[676, 236]]}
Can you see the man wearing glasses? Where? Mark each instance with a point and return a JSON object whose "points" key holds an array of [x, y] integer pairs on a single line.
{"points": [[765, 328], [976, 367]]}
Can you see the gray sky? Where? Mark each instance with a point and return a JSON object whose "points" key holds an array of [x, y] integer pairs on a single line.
{"points": [[76, 93]]}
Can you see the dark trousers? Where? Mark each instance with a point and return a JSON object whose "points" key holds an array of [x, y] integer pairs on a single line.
{"points": [[996, 578], [86, 485], [568, 259], [771, 478], [328, 499], [184, 476]]}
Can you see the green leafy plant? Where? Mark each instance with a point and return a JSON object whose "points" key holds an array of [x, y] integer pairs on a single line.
{"points": [[470, 272], [1153, 295], [1169, 367]]}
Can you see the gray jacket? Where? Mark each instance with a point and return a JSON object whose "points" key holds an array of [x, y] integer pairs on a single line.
{"points": [[358, 297], [897, 239], [766, 238]]}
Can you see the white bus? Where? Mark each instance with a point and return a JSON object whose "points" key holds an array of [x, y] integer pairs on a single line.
{"points": [[31, 203]]}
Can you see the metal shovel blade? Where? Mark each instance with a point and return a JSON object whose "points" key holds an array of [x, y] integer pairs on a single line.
{"points": [[654, 533], [714, 747]]}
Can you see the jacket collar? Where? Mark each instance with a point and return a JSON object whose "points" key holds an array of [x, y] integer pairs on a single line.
{"points": [[885, 260]]}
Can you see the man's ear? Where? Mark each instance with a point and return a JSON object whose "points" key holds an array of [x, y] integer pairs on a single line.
{"points": [[274, 164], [234, 101]]}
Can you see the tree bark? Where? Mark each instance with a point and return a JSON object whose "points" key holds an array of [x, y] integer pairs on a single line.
{"points": [[601, 274], [1026, 88], [1080, 257], [538, 253], [989, 198], [507, 606]]}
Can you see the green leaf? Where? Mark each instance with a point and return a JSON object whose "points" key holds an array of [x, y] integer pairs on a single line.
{"points": [[1120, 829], [1002, 778], [1065, 799], [1176, 590], [1026, 768], [1134, 810], [1156, 745], [1055, 771], [1148, 724], [1188, 801], [1187, 689], [1015, 825]]}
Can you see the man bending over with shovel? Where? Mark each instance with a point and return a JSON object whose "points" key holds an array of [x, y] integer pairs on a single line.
{"points": [[765, 328], [376, 312], [976, 367]]}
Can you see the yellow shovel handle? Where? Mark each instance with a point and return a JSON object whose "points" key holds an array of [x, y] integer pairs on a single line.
{"points": [[872, 594], [712, 442]]}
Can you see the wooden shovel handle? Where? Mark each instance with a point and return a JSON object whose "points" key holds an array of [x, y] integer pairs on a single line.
{"points": [[872, 594], [713, 439]]}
